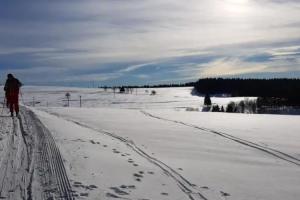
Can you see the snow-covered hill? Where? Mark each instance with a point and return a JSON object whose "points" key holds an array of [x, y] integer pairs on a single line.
{"points": [[141, 146], [139, 98]]}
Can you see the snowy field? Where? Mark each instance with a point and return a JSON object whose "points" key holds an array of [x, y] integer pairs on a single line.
{"points": [[140, 146], [177, 98]]}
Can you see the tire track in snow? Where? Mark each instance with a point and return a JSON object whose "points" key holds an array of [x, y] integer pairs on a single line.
{"points": [[185, 186], [276, 153]]}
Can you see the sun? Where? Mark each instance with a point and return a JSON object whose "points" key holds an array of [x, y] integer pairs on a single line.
{"points": [[238, 1], [236, 6]]}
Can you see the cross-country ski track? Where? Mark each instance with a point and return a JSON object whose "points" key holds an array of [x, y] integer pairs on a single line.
{"points": [[36, 163], [268, 150], [31, 166], [189, 186], [184, 185]]}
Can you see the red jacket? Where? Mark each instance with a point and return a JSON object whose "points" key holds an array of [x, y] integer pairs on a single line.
{"points": [[12, 86]]}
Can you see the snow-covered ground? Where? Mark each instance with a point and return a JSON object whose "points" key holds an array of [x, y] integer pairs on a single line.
{"points": [[141, 146], [165, 98]]}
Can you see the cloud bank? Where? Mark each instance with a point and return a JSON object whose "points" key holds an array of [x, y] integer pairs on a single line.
{"points": [[139, 42]]}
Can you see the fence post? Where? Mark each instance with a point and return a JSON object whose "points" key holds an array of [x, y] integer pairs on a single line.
{"points": [[80, 101], [68, 95]]}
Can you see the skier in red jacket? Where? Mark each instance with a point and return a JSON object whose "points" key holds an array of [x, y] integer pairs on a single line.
{"points": [[12, 88]]}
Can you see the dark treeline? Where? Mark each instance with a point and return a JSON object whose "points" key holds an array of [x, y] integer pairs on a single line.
{"points": [[169, 85], [190, 84], [285, 91]]}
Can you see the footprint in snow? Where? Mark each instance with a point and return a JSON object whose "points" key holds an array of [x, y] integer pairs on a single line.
{"points": [[84, 194], [92, 141], [128, 186], [131, 187], [138, 175], [91, 187], [87, 187], [205, 187], [116, 151], [112, 195], [77, 140], [119, 191], [224, 194], [77, 184]]}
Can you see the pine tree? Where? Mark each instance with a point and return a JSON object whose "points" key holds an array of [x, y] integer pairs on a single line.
{"points": [[216, 108], [222, 109], [207, 101]]}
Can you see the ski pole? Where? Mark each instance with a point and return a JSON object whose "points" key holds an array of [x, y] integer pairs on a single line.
{"points": [[22, 97]]}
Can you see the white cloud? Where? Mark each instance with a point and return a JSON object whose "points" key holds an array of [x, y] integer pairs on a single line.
{"points": [[92, 77], [234, 66], [142, 76], [25, 50], [135, 30], [229, 67], [91, 34], [135, 67], [285, 51]]}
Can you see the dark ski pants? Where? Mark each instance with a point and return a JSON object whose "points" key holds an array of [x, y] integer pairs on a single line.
{"points": [[13, 102]]}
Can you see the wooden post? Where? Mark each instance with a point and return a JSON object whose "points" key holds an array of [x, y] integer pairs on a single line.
{"points": [[80, 101], [68, 95]]}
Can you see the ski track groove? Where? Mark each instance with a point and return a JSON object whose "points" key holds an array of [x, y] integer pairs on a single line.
{"points": [[185, 186], [56, 163], [4, 164], [12, 165], [29, 149], [276, 153]]}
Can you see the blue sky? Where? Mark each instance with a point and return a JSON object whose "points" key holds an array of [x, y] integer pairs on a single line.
{"points": [[114, 42]]}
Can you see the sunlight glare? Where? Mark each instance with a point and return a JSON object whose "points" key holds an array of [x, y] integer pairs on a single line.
{"points": [[236, 7]]}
